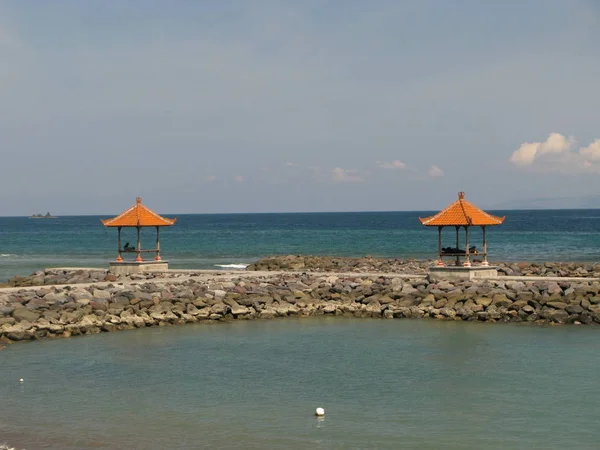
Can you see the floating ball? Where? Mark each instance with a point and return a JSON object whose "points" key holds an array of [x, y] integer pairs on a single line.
{"points": [[21, 380], [320, 412]]}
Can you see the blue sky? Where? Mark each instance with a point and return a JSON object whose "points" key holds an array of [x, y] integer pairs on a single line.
{"points": [[265, 106]]}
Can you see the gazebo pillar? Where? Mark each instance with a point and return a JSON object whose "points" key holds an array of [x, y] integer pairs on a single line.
{"points": [[157, 257], [467, 262], [440, 259], [138, 248], [485, 261], [457, 245], [119, 257]]}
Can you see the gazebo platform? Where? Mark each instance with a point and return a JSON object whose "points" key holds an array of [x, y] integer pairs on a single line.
{"points": [[463, 273], [127, 267]]}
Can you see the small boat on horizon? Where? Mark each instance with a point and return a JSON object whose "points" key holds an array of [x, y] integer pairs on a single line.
{"points": [[41, 216]]}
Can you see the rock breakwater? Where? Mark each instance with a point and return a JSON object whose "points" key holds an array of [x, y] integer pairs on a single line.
{"points": [[61, 311], [335, 264], [415, 266]]}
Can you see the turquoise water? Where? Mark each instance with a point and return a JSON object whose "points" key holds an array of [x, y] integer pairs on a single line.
{"points": [[255, 385], [210, 241]]}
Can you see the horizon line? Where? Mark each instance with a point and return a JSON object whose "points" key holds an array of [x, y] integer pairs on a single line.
{"points": [[311, 212]]}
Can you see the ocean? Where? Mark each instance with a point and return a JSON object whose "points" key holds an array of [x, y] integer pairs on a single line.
{"points": [[212, 241], [384, 384]]}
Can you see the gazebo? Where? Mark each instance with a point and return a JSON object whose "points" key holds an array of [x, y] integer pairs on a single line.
{"points": [[461, 214], [138, 216]]}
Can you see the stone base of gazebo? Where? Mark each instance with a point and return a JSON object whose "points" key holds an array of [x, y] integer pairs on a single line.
{"points": [[127, 267], [464, 273]]}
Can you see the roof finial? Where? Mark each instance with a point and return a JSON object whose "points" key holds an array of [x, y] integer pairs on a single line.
{"points": [[138, 199], [461, 195]]}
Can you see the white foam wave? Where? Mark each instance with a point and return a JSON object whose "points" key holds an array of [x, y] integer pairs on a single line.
{"points": [[6, 447], [232, 266], [6, 255]]}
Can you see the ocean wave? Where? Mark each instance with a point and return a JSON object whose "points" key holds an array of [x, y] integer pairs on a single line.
{"points": [[6, 447], [6, 255], [232, 266]]}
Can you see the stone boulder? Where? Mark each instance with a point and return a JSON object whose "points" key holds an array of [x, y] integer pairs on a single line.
{"points": [[24, 314]]}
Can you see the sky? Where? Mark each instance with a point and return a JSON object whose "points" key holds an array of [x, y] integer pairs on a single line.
{"points": [[240, 106]]}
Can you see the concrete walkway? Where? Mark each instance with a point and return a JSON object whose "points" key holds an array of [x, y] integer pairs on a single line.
{"points": [[180, 276]]}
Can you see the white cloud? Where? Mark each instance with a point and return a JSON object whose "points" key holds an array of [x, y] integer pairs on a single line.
{"points": [[435, 171], [558, 154], [527, 153], [396, 164], [346, 175], [592, 151]]}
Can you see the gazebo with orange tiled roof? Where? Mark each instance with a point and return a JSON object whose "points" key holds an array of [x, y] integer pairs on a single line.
{"points": [[459, 214], [138, 216]]}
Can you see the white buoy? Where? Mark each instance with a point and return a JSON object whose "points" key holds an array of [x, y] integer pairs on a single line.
{"points": [[21, 380], [320, 412]]}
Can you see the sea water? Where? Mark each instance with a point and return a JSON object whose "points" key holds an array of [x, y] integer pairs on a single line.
{"points": [[212, 241], [410, 384]]}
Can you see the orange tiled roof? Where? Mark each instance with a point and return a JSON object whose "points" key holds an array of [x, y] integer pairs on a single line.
{"points": [[138, 216], [461, 213]]}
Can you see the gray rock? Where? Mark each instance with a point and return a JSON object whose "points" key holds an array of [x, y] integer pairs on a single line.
{"points": [[191, 309], [219, 308], [501, 300], [528, 309], [78, 294], [329, 308], [101, 294], [239, 310], [24, 314], [515, 285], [7, 320], [17, 333], [200, 302], [448, 312], [36, 304], [574, 309], [283, 308], [55, 297], [267, 313], [6, 310], [407, 289], [559, 316], [101, 305], [557, 305], [554, 288], [483, 301]]}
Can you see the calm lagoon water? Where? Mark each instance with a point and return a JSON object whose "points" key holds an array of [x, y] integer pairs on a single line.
{"points": [[255, 385]]}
